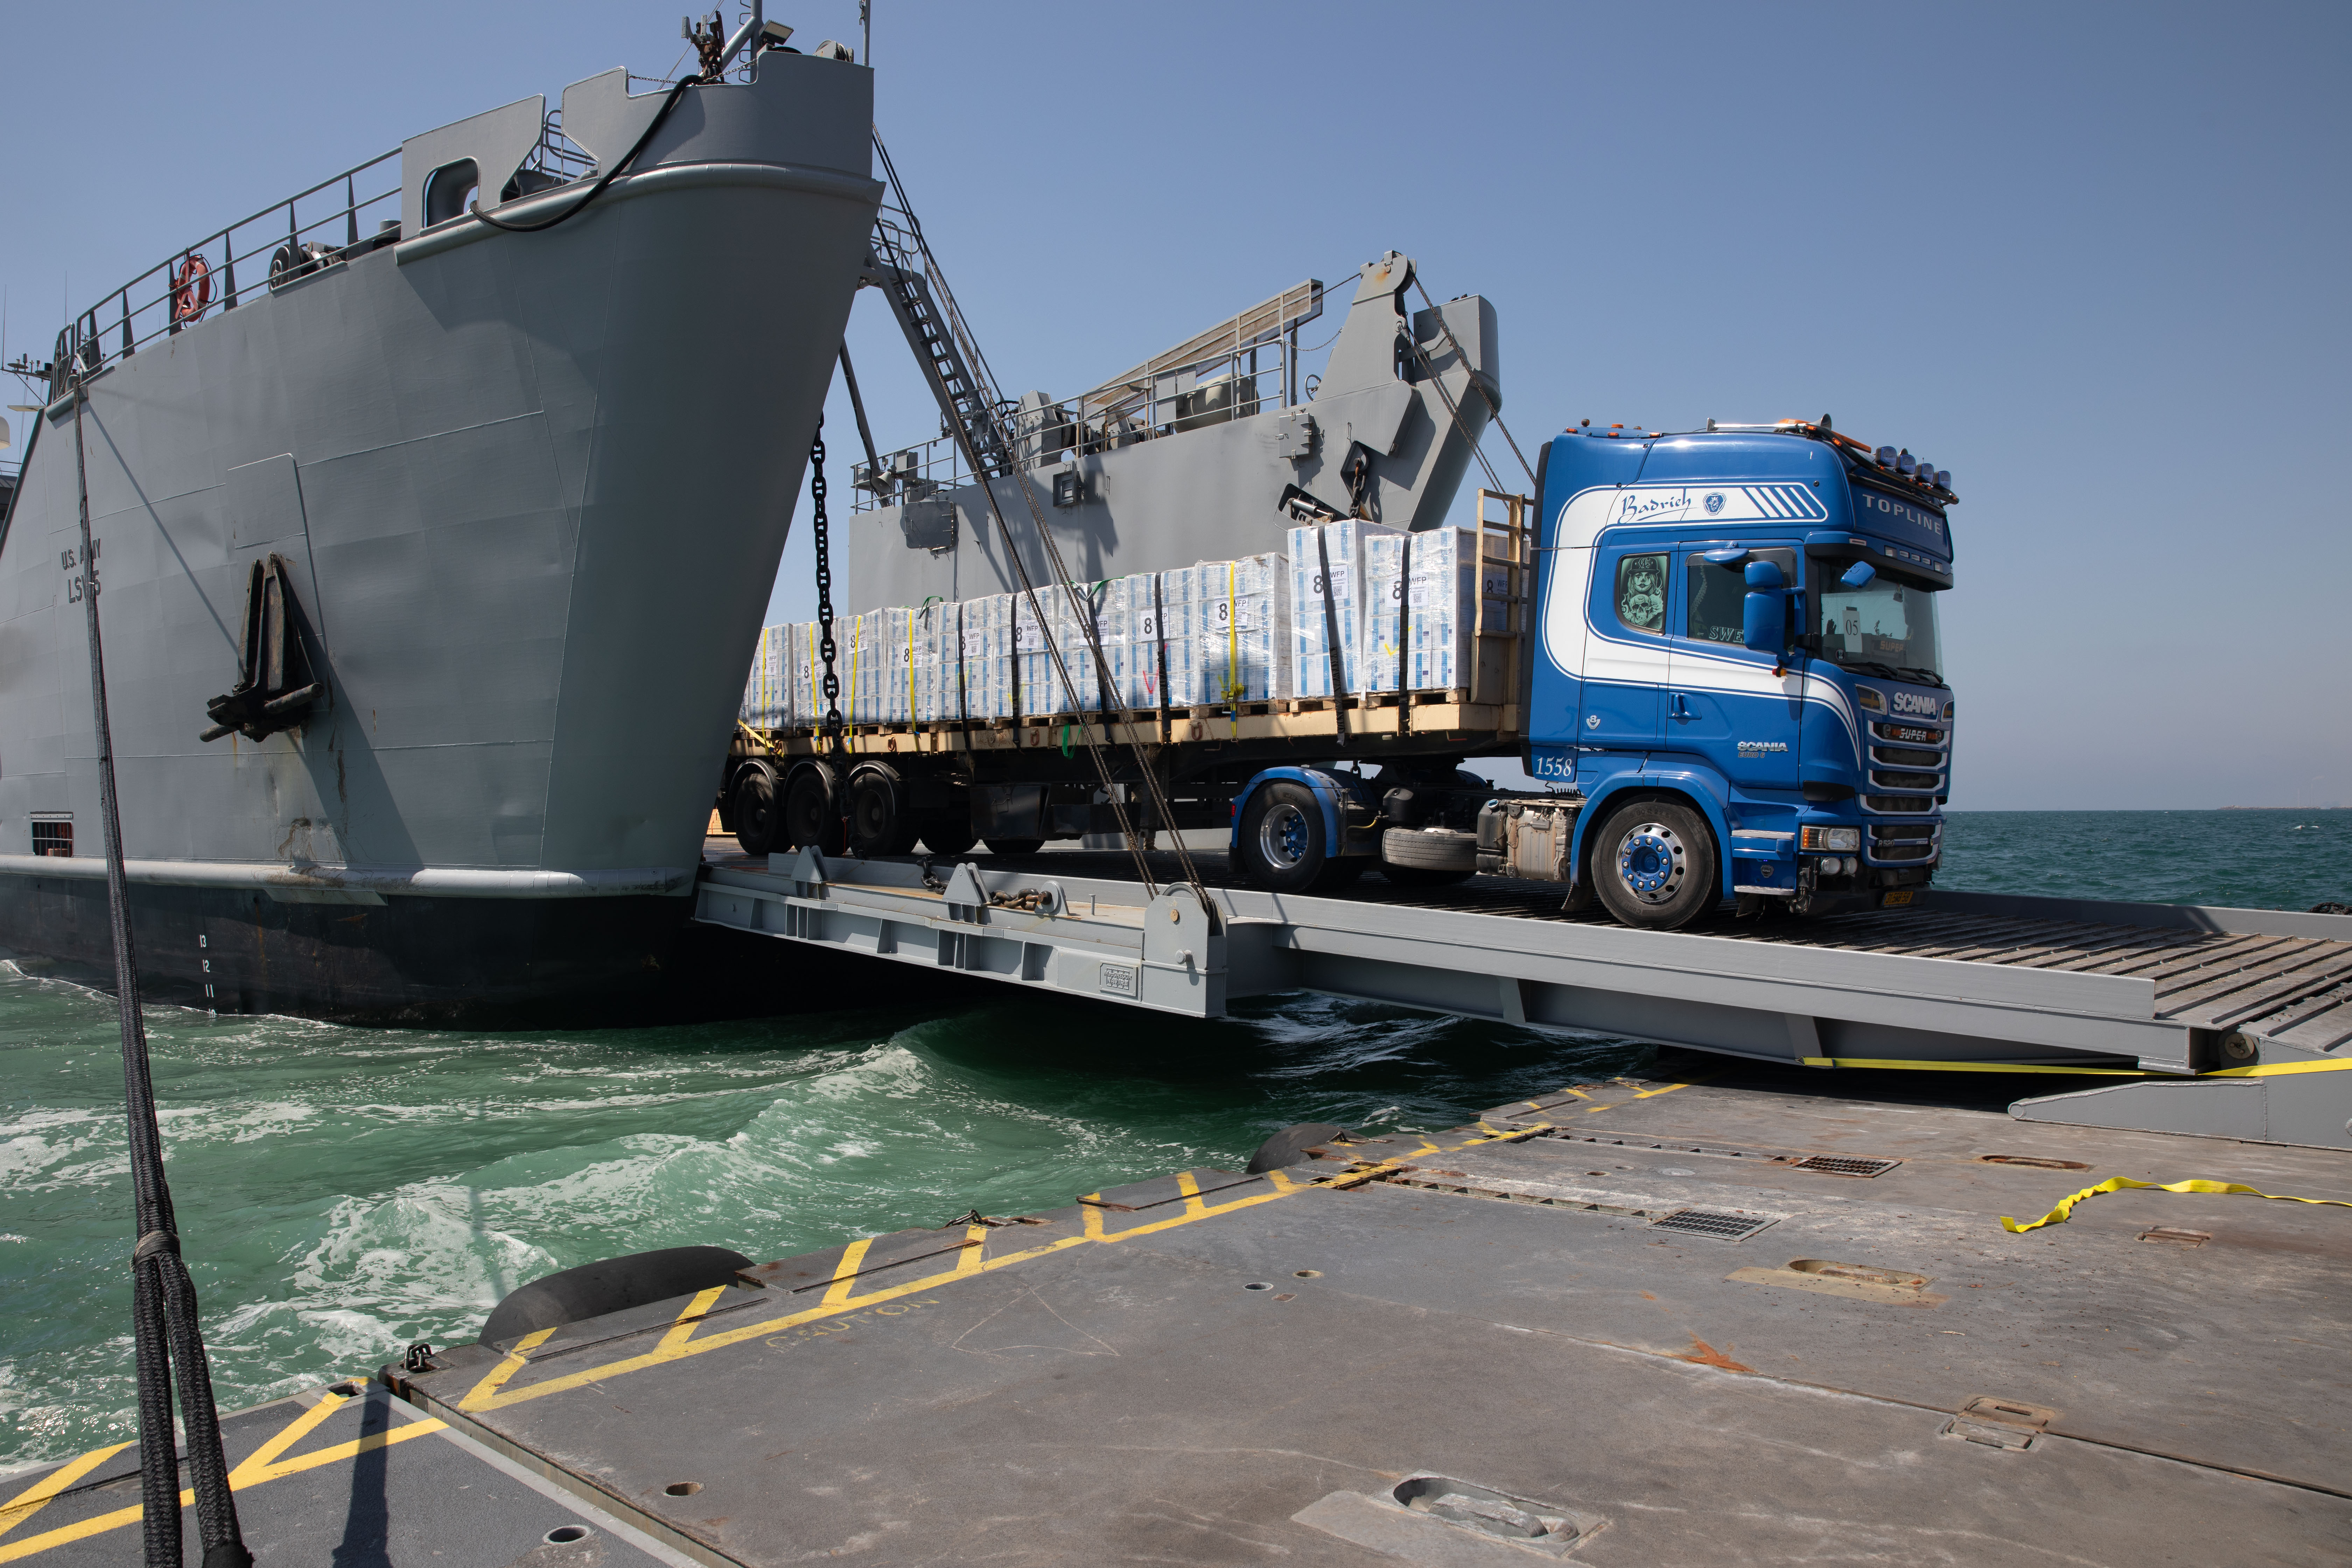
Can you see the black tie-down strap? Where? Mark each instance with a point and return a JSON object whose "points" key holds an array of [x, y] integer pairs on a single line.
{"points": [[275, 687]]}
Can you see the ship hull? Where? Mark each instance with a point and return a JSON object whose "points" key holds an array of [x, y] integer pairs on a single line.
{"points": [[407, 962], [529, 490]]}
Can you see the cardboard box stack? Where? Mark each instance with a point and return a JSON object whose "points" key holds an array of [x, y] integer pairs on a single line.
{"points": [[1254, 630]]}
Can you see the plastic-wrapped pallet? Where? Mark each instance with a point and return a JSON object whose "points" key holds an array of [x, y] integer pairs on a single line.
{"points": [[1443, 609], [934, 638], [1242, 620], [894, 696], [1385, 571], [767, 692], [808, 674], [1132, 639], [1072, 619], [1180, 636], [988, 655], [1421, 642], [1342, 545]]}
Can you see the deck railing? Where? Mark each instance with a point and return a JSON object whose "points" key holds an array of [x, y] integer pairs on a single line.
{"points": [[313, 229]]}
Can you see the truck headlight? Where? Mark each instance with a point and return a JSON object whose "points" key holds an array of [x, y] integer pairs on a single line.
{"points": [[1832, 838], [1871, 700]]}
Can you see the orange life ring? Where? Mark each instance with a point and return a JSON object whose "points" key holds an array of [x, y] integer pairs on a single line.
{"points": [[191, 289]]}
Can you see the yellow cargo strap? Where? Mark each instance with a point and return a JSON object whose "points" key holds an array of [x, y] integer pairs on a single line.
{"points": [[2117, 1184]]}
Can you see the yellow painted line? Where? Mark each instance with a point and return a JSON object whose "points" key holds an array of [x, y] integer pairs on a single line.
{"points": [[846, 1271], [1967, 1067], [492, 1393], [2277, 1070], [975, 1240], [260, 1465], [681, 1328], [256, 1464], [2272, 1069], [2117, 1184], [27, 1503], [1190, 1185], [495, 1379]]}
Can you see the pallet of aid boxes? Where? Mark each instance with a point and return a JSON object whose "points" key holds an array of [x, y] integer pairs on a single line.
{"points": [[1382, 610]]}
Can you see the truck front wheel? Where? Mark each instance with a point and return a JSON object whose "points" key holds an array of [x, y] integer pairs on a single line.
{"points": [[1653, 865], [1282, 844]]}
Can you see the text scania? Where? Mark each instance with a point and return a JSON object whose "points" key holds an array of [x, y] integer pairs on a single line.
{"points": [[1913, 702], [1755, 748]]}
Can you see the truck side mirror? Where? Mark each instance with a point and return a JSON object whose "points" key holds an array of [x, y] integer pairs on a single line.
{"points": [[1764, 616], [1858, 576]]}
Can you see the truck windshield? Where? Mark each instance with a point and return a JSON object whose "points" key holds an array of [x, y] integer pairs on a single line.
{"points": [[1886, 627]]}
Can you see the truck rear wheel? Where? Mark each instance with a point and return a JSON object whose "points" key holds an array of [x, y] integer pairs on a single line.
{"points": [[1653, 865], [1282, 844], [752, 805], [812, 813]]}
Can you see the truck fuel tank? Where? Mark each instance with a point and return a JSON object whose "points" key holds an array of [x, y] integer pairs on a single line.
{"points": [[1528, 838]]}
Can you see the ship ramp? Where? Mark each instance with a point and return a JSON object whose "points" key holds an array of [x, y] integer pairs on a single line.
{"points": [[2234, 1023]]}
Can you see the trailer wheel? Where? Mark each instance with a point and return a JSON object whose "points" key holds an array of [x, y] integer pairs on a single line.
{"points": [[948, 838], [1653, 865], [812, 813], [1016, 845], [878, 820], [752, 805]]}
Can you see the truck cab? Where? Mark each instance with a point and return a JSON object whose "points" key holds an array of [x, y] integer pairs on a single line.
{"points": [[1733, 658]]}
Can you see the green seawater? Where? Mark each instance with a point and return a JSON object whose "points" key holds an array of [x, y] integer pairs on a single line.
{"points": [[345, 1192]]}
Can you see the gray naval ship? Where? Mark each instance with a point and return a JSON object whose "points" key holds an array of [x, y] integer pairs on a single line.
{"points": [[434, 509]]}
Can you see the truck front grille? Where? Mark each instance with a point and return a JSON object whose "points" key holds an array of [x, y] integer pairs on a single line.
{"points": [[1894, 843], [1899, 804], [1904, 757], [1886, 779]]}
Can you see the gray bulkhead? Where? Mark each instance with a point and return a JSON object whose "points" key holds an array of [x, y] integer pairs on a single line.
{"points": [[533, 487], [1216, 493]]}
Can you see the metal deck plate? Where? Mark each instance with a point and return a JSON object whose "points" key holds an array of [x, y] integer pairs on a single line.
{"points": [[1219, 1368]]}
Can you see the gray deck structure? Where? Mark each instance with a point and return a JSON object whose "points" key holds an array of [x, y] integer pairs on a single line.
{"points": [[1717, 1315], [2234, 1022]]}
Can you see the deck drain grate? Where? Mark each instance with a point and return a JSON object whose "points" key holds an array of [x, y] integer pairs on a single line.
{"points": [[1714, 1222], [1843, 1165]]}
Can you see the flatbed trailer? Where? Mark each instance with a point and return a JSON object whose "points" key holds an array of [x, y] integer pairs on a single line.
{"points": [[1720, 1314], [2232, 1022]]}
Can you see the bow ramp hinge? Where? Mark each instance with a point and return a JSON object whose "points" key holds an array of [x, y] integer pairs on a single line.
{"points": [[808, 873], [966, 898]]}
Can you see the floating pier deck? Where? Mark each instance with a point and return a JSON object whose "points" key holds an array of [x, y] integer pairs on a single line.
{"points": [[1683, 1318], [2236, 1023]]}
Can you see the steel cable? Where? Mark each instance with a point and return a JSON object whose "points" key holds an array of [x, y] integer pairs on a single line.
{"points": [[163, 1300], [1492, 404], [965, 437]]}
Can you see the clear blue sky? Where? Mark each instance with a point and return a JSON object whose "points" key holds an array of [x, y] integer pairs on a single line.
{"points": [[2092, 259]]}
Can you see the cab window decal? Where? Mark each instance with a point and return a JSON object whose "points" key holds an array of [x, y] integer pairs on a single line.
{"points": [[1642, 593]]}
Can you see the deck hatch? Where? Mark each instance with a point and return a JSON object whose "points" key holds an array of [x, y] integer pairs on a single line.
{"points": [[1715, 1222], [1844, 1165]]}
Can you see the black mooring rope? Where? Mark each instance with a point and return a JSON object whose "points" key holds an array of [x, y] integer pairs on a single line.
{"points": [[163, 1298]]}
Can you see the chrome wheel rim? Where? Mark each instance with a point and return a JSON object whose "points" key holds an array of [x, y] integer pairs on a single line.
{"points": [[1651, 862], [1282, 836]]}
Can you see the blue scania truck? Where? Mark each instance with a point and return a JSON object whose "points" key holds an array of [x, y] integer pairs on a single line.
{"points": [[1733, 693]]}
